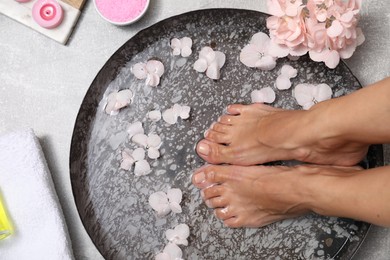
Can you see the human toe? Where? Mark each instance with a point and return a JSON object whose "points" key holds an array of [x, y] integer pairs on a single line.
{"points": [[223, 213], [217, 137], [212, 152], [227, 119], [212, 191], [216, 202]]}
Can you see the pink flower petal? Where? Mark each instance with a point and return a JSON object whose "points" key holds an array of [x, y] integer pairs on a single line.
{"points": [[182, 230], [332, 59], [176, 51], [200, 65], [282, 82], [139, 70], [335, 29], [274, 8], [318, 56], [159, 202], [110, 106]]}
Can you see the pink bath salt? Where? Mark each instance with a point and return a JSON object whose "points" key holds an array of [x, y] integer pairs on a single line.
{"points": [[121, 11]]}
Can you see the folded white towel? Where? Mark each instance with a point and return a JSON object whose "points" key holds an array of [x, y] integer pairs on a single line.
{"points": [[31, 201]]}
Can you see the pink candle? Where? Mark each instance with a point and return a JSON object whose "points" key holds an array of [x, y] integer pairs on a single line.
{"points": [[121, 11]]}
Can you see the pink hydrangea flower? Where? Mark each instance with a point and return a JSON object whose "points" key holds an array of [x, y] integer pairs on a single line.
{"points": [[326, 28]]}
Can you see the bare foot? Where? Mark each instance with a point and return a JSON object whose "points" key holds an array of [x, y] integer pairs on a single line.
{"points": [[255, 196], [257, 133], [252, 196]]}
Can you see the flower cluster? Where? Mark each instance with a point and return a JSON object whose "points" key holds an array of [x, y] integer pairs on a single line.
{"points": [[327, 29]]}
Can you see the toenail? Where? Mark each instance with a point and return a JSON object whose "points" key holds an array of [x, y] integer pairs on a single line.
{"points": [[199, 177], [203, 149], [202, 193], [208, 204], [206, 133]]}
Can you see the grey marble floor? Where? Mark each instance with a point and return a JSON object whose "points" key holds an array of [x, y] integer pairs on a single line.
{"points": [[42, 84]]}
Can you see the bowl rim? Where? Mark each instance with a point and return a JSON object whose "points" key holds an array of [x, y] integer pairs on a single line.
{"points": [[123, 23]]}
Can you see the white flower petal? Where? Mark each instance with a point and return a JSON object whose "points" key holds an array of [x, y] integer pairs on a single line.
{"points": [[175, 43], [127, 159], [186, 42], [142, 168], [303, 93], [282, 82], [152, 80], [154, 115], [135, 128], [174, 195], [175, 207], [139, 70], [213, 71], [185, 112], [169, 116], [123, 98], [264, 95], [173, 251], [138, 154], [163, 256], [153, 153], [267, 62], [155, 67], [249, 55], [110, 105], [176, 109], [277, 50], [260, 39], [200, 65], [323, 92], [220, 58], [153, 140], [186, 51], [288, 71], [183, 231], [176, 51], [140, 139], [208, 54], [157, 199]]}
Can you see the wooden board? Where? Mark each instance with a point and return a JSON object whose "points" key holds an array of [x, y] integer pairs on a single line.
{"points": [[21, 12]]}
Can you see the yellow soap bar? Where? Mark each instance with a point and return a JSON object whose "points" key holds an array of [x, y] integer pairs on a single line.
{"points": [[5, 224]]}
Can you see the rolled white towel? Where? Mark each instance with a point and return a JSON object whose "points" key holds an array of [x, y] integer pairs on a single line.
{"points": [[32, 202]]}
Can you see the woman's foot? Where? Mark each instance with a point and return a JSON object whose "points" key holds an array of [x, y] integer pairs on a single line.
{"points": [[255, 196], [252, 196], [257, 133]]}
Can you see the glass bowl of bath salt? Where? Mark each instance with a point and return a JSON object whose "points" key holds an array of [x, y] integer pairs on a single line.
{"points": [[121, 12]]}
